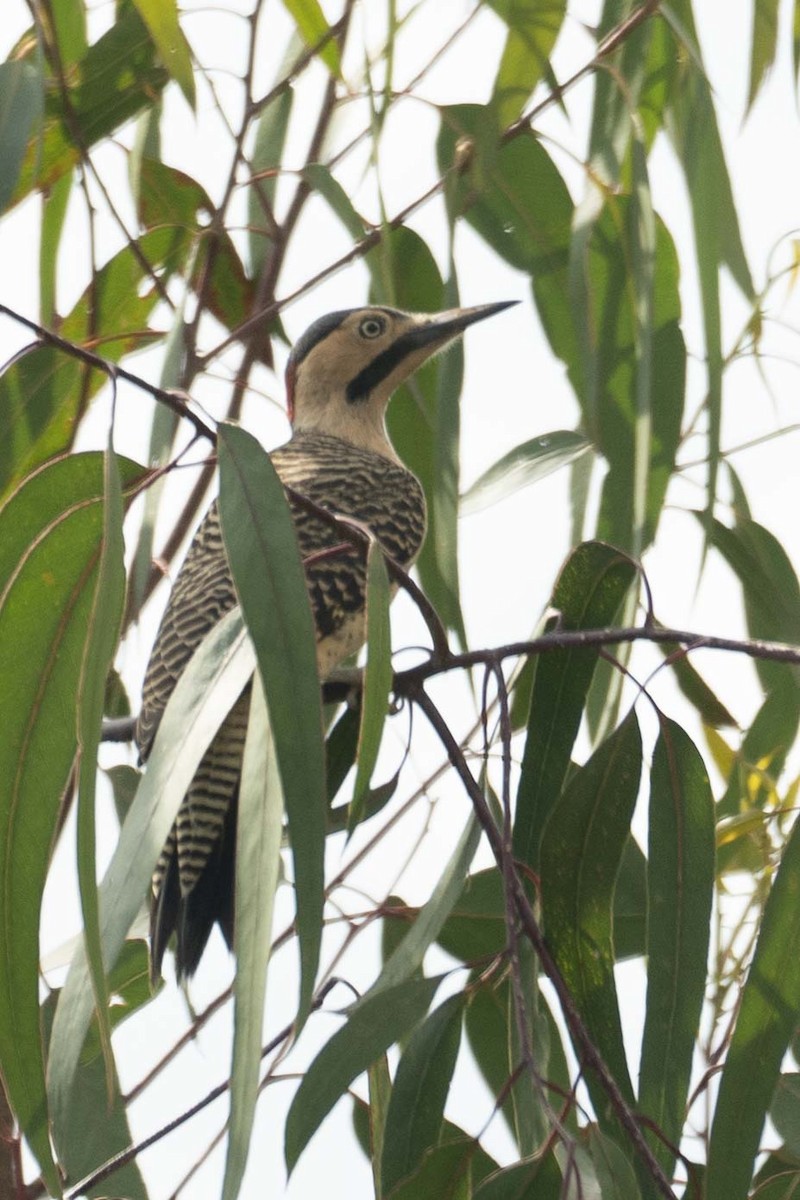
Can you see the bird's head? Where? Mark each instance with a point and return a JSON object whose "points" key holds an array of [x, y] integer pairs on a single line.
{"points": [[343, 370]]}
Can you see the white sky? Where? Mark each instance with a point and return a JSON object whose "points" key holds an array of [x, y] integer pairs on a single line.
{"points": [[511, 553]]}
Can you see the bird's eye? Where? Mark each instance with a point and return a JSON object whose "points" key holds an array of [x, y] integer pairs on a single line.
{"points": [[372, 327]]}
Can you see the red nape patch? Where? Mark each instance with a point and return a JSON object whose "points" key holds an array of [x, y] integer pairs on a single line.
{"points": [[290, 374]]}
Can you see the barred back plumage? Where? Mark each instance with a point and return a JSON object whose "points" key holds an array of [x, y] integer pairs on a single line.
{"points": [[339, 458]]}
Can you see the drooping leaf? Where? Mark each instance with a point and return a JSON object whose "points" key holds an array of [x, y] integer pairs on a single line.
{"points": [[692, 126], [785, 1111], [54, 211], [407, 957], [424, 418], [680, 876], [116, 78], [588, 594], [373, 1024], [769, 583], [258, 841], [41, 393], [161, 19], [536, 1179], [170, 200], [768, 1015], [516, 200], [312, 27], [205, 693], [86, 1142], [581, 851], [102, 635], [51, 532], [265, 163], [522, 466], [21, 107], [377, 680], [532, 30], [262, 548], [416, 1108], [763, 46]]}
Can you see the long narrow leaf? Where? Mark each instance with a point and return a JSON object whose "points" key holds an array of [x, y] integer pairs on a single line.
{"points": [[582, 849], [588, 594], [102, 635], [768, 1017], [373, 1025], [204, 694], [258, 842], [680, 881], [377, 680], [265, 560], [416, 1107], [408, 956], [524, 465]]}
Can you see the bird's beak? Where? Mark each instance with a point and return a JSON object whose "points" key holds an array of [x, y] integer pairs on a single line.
{"points": [[436, 329]]}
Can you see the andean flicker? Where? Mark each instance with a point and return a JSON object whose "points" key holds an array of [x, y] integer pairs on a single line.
{"points": [[339, 378]]}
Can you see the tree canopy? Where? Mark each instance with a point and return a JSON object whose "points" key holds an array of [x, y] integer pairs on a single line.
{"points": [[540, 787]]}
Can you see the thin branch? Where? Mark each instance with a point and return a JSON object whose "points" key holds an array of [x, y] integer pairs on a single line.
{"points": [[589, 1054], [164, 395], [125, 1156]]}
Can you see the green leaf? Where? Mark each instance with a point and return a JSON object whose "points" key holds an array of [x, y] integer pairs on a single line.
{"points": [[680, 881], [588, 594], [54, 210], [312, 26], [102, 635], [51, 532], [377, 680], [763, 46], [522, 466], [258, 842], [41, 394], [86, 1142], [446, 1171], [380, 1091], [760, 760], [424, 419], [476, 926], [419, 1094], [785, 1111], [769, 583], [262, 549], [325, 183], [266, 161], [768, 1015], [614, 1171], [516, 200], [205, 693], [115, 307], [634, 365], [374, 1024], [692, 126], [171, 201], [630, 903], [407, 957], [535, 1179], [582, 848], [692, 685], [161, 19], [21, 107], [117, 78], [533, 27]]}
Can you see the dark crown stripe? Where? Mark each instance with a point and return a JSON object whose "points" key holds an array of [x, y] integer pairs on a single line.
{"points": [[316, 332]]}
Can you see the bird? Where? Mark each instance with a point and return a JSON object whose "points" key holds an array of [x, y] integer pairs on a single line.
{"points": [[340, 376]]}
